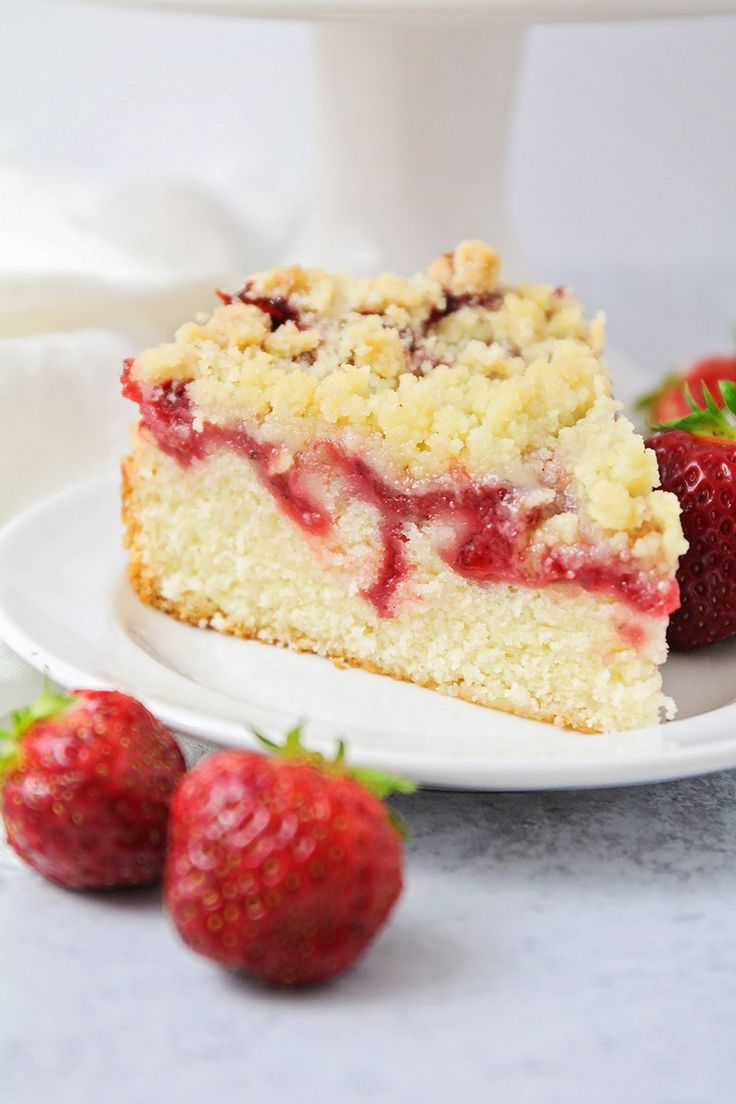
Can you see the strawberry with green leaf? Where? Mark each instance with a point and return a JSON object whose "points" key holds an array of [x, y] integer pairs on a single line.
{"points": [[697, 461], [283, 866], [85, 783], [669, 401]]}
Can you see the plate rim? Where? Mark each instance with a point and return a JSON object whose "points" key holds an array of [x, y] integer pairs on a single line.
{"points": [[665, 764]]}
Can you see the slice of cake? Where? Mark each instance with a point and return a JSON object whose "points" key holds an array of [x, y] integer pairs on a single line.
{"points": [[423, 477]]}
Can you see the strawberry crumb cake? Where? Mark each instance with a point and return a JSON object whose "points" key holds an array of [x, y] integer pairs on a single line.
{"points": [[424, 477]]}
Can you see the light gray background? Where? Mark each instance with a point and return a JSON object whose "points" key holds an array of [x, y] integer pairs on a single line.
{"points": [[550, 948], [623, 168]]}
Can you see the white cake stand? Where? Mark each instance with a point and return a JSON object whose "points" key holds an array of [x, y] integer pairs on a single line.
{"points": [[414, 107]]}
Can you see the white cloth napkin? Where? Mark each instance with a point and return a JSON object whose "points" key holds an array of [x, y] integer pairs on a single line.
{"points": [[90, 273]]}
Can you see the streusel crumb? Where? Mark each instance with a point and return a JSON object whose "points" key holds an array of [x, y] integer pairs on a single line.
{"points": [[426, 476]]}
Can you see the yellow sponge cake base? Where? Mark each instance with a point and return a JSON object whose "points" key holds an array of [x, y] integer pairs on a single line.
{"points": [[209, 545]]}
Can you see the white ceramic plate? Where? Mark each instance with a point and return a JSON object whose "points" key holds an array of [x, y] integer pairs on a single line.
{"points": [[66, 607]]}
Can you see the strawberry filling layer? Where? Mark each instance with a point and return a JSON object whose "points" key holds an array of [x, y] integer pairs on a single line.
{"points": [[490, 528]]}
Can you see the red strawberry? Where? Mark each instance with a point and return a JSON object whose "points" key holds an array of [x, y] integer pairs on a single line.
{"points": [[284, 868], [87, 781], [669, 401], [697, 461]]}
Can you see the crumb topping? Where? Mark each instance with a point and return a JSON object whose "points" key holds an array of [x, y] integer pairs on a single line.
{"points": [[448, 368]]}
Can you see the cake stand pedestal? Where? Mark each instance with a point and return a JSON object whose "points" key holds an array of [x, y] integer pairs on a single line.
{"points": [[412, 128], [414, 108]]}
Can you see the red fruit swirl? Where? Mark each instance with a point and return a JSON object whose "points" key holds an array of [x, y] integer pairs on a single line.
{"points": [[492, 529]]}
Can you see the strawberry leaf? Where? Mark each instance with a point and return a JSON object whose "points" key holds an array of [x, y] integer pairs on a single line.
{"points": [[8, 753], [378, 782], [728, 392], [709, 401], [48, 704], [709, 419], [382, 784]]}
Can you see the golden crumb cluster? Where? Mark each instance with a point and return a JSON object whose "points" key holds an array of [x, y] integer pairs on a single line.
{"points": [[448, 369]]}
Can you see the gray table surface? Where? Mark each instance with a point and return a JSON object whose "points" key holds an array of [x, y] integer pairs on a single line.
{"points": [[549, 947]]}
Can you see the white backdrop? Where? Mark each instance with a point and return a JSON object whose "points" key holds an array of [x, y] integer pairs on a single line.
{"points": [[623, 174]]}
